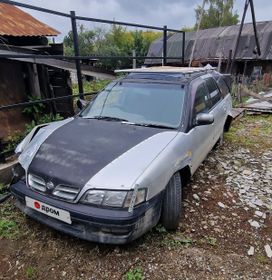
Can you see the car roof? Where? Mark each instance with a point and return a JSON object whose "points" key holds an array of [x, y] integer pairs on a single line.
{"points": [[165, 74], [166, 69]]}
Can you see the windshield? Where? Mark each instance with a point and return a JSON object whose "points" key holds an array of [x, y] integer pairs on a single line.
{"points": [[139, 103]]}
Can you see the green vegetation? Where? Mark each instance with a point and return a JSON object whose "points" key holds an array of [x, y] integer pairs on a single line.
{"points": [[117, 41], [253, 135], [93, 86], [219, 13], [46, 118], [8, 224], [38, 115], [34, 110], [8, 229], [12, 222], [177, 240], [31, 272], [135, 274], [160, 229]]}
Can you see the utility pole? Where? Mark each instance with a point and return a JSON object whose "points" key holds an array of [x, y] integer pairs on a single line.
{"points": [[258, 49], [197, 31]]}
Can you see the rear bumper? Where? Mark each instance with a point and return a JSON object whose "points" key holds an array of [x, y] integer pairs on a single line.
{"points": [[92, 223]]}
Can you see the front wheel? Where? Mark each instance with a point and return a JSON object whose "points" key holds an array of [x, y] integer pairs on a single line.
{"points": [[172, 203]]}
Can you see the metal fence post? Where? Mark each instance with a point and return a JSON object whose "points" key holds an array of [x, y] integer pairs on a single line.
{"points": [[76, 49], [164, 50], [183, 48]]}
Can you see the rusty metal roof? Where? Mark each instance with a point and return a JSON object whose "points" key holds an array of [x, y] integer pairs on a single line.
{"points": [[15, 22]]}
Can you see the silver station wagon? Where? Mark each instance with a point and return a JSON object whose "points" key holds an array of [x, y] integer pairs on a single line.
{"points": [[115, 170]]}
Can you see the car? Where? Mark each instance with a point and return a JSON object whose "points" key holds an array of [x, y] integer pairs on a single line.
{"points": [[113, 171]]}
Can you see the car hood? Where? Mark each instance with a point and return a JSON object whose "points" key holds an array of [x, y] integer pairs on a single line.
{"points": [[96, 153]]}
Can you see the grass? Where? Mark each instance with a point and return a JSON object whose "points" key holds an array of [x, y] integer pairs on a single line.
{"points": [[31, 272], [135, 274], [251, 132], [9, 223], [8, 229]]}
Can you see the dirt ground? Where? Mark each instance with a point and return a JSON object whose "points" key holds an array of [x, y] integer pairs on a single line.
{"points": [[215, 234]]}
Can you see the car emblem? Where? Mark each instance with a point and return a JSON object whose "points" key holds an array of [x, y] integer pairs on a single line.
{"points": [[50, 185]]}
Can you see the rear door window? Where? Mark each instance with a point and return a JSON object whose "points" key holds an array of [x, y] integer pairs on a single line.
{"points": [[223, 87], [214, 92]]}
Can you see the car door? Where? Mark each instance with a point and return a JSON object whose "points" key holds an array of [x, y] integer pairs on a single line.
{"points": [[200, 136], [217, 108]]}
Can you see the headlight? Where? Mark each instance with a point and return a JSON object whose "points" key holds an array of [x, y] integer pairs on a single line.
{"points": [[114, 198]]}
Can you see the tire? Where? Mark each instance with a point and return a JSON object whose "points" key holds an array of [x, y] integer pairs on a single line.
{"points": [[172, 203]]}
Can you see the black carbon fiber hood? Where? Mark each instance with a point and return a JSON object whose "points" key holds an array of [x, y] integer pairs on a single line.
{"points": [[79, 149]]}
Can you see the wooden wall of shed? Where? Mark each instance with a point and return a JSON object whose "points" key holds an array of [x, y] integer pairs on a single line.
{"points": [[12, 90]]}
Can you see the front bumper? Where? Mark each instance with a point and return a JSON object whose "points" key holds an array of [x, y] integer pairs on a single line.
{"points": [[93, 223]]}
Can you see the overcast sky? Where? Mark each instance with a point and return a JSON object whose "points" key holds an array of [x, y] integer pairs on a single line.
{"points": [[173, 13]]}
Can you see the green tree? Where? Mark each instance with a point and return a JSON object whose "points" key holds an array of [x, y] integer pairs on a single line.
{"points": [[219, 13], [86, 41], [117, 41]]}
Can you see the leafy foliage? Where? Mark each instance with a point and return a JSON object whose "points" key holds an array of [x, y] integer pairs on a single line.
{"points": [[117, 41], [46, 118], [12, 141], [89, 87], [219, 13], [34, 110], [86, 39], [135, 274]]}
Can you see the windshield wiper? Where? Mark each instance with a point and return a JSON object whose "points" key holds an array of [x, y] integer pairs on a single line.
{"points": [[154, 125], [108, 118]]}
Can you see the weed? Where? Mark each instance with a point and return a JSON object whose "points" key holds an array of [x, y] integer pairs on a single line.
{"points": [[31, 272], [178, 240], [135, 274], [262, 259], [8, 229], [34, 110], [160, 229], [208, 240], [46, 118], [89, 87], [211, 241]]}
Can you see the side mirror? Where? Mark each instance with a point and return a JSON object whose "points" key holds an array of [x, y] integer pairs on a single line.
{"points": [[81, 104], [204, 119]]}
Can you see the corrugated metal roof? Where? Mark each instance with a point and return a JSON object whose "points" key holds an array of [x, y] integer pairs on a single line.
{"points": [[15, 22], [215, 42]]}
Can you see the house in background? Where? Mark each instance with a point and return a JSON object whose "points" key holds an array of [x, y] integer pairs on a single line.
{"points": [[213, 46]]}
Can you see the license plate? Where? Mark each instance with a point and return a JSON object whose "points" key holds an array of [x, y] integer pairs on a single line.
{"points": [[48, 210]]}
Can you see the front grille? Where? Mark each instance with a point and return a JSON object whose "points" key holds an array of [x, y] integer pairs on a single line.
{"points": [[36, 183], [66, 192]]}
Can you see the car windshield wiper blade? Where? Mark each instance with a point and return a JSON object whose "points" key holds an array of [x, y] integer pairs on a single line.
{"points": [[108, 118], [154, 125]]}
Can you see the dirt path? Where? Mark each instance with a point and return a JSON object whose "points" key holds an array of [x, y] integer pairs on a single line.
{"points": [[227, 215]]}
